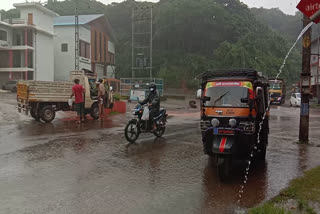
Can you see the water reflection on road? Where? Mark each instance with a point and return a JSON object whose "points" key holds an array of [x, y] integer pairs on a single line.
{"points": [[90, 168]]}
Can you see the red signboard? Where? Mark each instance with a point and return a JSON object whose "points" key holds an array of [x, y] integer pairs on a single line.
{"points": [[309, 7]]}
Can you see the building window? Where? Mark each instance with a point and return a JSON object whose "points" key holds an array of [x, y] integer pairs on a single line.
{"points": [[64, 47], [84, 49], [3, 35], [111, 58]]}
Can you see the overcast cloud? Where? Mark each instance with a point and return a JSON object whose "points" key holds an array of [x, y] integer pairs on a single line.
{"points": [[287, 6]]}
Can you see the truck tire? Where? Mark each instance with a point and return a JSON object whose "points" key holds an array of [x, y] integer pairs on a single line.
{"points": [[35, 114], [94, 112], [47, 113]]}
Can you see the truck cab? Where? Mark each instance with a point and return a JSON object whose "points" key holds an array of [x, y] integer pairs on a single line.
{"points": [[277, 91]]}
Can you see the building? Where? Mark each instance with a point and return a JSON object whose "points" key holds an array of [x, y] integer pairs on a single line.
{"points": [[26, 44], [96, 45]]}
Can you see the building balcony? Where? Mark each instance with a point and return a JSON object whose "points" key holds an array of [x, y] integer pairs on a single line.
{"points": [[22, 69], [4, 44], [15, 21]]}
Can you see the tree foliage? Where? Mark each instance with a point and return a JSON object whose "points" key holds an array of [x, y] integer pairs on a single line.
{"points": [[191, 36]]}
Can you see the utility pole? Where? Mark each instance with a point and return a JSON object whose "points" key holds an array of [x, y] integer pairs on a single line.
{"points": [[318, 63], [305, 84], [76, 39]]}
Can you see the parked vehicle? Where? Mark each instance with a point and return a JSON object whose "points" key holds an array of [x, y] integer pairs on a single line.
{"points": [[295, 99], [43, 98], [11, 85], [277, 91], [139, 125], [233, 103]]}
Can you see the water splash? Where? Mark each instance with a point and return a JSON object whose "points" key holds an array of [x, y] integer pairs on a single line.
{"points": [[290, 50], [241, 191]]}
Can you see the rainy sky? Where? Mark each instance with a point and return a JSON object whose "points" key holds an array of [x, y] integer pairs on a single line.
{"points": [[287, 6]]}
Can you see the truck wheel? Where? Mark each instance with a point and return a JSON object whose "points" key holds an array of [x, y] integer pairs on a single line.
{"points": [[47, 113], [35, 114], [94, 112]]}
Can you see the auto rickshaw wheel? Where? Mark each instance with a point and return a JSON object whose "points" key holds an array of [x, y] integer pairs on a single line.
{"points": [[263, 146], [207, 146], [224, 168]]}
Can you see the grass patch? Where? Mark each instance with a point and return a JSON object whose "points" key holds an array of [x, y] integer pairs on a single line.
{"points": [[268, 208], [315, 105], [303, 189], [113, 113]]}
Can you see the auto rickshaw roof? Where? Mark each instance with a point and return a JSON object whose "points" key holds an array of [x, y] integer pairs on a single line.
{"points": [[235, 74]]}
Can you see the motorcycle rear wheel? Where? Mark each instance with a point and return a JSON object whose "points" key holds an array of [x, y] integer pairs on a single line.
{"points": [[132, 131], [159, 131]]}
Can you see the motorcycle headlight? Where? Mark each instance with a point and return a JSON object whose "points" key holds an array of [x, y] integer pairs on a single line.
{"points": [[215, 122], [232, 122]]}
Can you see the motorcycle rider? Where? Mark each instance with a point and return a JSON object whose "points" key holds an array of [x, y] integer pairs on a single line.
{"points": [[153, 101]]}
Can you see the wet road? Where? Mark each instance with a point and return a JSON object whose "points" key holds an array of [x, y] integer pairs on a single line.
{"points": [[90, 168]]}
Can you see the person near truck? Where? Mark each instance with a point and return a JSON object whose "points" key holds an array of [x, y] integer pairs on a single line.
{"points": [[78, 91], [153, 101], [101, 98]]}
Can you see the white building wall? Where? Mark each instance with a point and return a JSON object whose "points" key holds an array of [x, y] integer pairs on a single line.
{"points": [[44, 57], [111, 47], [85, 35], [111, 70], [64, 61], [7, 43], [40, 18]]}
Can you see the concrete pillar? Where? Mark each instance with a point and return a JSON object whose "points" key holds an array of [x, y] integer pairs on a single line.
{"points": [[25, 37], [10, 63], [26, 52]]}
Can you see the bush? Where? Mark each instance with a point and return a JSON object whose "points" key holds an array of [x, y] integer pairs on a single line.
{"points": [[116, 97]]}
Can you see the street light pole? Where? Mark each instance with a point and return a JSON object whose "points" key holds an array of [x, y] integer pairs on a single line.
{"points": [[305, 84]]}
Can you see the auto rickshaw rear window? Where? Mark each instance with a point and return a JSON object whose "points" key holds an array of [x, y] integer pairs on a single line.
{"points": [[228, 94]]}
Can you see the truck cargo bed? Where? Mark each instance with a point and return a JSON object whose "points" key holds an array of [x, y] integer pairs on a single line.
{"points": [[44, 91]]}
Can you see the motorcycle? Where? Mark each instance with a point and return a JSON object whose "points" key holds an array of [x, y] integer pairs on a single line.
{"points": [[139, 124]]}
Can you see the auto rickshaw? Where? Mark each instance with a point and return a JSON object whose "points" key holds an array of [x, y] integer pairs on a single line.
{"points": [[233, 105]]}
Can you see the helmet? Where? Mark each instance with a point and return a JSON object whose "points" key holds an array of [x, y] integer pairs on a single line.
{"points": [[152, 86]]}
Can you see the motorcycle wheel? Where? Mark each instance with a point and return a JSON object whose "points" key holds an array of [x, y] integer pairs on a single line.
{"points": [[160, 130], [132, 131]]}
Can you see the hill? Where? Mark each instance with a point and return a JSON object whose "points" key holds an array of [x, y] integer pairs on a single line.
{"points": [[287, 25], [191, 37]]}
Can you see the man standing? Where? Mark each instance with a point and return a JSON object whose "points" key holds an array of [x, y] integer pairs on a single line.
{"points": [[101, 98], [77, 92]]}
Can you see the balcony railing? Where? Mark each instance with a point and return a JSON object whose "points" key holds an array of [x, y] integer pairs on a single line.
{"points": [[15, 21]]}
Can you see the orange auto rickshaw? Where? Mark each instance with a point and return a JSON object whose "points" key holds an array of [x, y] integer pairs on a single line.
{"points": [[234, 103]]}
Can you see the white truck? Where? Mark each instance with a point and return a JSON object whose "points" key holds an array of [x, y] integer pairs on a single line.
{"points": [[43, 98]]}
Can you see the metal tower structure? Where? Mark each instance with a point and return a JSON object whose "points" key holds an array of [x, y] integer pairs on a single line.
{"points": [[142, 42]]}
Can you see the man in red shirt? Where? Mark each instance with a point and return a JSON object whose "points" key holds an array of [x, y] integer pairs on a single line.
{"points": [[77, 92]]}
